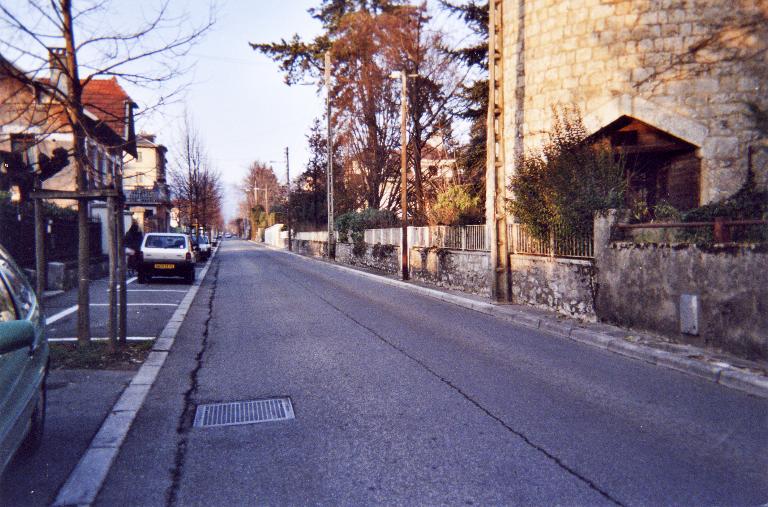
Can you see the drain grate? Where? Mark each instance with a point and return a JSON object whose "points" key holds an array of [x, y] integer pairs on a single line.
{"points": [[243, 412]]}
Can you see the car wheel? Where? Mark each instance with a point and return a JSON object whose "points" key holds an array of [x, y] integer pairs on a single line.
{"points": [[190, 278], [37, 422], [142, 277]]}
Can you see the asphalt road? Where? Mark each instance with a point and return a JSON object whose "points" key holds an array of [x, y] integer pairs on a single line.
{"points": [[402, 399]]}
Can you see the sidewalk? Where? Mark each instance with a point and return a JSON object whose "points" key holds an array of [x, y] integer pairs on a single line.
{"points": [[78, 402], [711, 364]]}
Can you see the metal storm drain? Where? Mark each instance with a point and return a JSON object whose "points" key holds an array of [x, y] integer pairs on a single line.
{"points": [[243, 412]]}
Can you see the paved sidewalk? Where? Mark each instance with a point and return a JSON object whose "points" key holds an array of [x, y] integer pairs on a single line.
{"points": [[78, 402], [709, 363]]}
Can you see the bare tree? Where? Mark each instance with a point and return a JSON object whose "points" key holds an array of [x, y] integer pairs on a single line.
{"points": [[83, 46], [195, 185]]}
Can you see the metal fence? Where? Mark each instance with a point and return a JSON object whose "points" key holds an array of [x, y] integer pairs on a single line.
{"points": [[388, 236], [476, 238], [312, 236], [468, 237], [557, 244]]}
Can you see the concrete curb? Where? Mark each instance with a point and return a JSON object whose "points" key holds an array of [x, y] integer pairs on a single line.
{"points": [[85, 481], [608, 337]]}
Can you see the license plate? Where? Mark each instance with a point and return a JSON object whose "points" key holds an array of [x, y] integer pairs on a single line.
{"points": [[164, 266]]}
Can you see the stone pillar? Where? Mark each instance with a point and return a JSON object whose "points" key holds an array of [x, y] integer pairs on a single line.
{"points": [[603, 223]]}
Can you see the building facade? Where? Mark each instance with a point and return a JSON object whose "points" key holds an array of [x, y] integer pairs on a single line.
{"points": [[679, 85], [145, 185]]}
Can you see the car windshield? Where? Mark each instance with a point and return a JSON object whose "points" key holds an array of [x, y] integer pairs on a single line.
{"points": [[165, 242]]}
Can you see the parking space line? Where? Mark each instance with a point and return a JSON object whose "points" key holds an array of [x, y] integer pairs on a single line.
{"points": [[60, 315], [138, 304], [158, 290], [103, 339]]}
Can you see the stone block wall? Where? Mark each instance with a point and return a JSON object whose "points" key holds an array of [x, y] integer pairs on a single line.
{"points": [[690, 68], [452, 269], [467, 271], [563, 285], [640, 285]]}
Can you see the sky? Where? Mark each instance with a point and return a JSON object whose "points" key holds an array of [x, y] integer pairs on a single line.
{"points": [[237, 98]]}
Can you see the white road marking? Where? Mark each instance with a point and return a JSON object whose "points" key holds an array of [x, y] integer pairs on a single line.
{"points": [[158, 290], [104, 338], [60, 315], [138, 304]]}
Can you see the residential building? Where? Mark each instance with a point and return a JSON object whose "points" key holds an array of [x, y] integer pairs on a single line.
{"points": [[37, 138], [674, 85], [146, 188]]}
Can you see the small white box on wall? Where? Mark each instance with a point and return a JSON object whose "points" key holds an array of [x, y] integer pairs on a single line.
{"points": [[689, 314]]}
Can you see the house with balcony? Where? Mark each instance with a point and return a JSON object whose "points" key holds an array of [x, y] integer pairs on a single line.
{"points": [[36, 138], [145, 185]]}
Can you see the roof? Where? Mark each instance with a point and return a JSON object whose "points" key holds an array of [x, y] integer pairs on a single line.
{"points": [[110, 103], [107, 101]]}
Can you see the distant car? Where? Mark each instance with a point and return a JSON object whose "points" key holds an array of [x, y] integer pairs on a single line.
{"points": [[23, 363], [228, 235], [166, 254]]}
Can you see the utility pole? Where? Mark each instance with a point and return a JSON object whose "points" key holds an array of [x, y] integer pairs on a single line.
{"points": [[403, 168], [495, 177], [288, 203], [329, 171], [404, 172]]}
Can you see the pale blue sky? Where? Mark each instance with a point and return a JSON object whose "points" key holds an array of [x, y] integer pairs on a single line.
{"points": [[237, 98]]}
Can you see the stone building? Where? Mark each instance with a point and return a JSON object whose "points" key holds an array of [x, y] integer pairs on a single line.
{"points": [[678, 84]]}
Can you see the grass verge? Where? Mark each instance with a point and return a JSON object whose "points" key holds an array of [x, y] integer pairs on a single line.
{"points": [[96, 356]]}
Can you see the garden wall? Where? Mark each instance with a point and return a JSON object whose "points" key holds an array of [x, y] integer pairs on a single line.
{"points": [[563, 285], [721, 290]]}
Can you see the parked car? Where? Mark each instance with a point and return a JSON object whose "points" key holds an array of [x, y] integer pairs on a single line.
{"points": [[166, 254], [228, 235], [203, 247], [23, 363]]}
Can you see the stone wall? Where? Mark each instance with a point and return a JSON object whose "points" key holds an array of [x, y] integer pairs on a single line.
{"points": [[642, 285], [452, 269], [684, 67], [462, 270], [563, 285]]}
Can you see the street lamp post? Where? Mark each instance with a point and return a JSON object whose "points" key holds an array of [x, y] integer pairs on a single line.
{"points": [[403, 167]]}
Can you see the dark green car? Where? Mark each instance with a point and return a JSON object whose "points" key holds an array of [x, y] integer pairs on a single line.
{"points": [[23, 363]]}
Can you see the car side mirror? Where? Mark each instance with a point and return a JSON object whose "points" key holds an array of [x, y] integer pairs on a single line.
{"points": [[15, 335]]}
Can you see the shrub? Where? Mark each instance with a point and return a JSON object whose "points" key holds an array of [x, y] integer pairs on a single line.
{"points": [[351, 225], [568, 180], [454, 206]]}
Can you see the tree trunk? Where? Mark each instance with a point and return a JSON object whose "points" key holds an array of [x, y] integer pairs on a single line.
{"points": [[112, 286], [75, 112]]}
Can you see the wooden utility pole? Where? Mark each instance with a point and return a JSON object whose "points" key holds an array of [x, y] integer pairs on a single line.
{"points": [[74, 108], [288, 200], [405, 275], [495, 177], [329, 170]]}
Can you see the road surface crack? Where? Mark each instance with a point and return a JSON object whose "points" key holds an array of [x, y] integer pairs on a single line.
{"points": [[188, 413], [525, 438]]}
